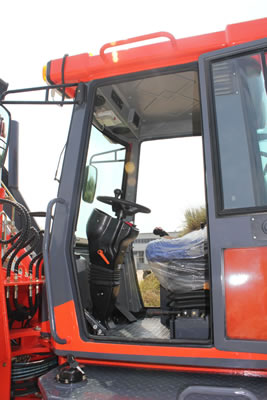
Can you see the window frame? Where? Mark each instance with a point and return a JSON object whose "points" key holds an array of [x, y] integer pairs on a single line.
{"points": [[218, 183]]}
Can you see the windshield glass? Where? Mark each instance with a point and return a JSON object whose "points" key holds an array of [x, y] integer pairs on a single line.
{"points": [[108, 158]]}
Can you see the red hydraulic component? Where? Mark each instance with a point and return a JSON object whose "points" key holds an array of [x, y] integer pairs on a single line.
{"points": [[21, 341], [5, 349]]}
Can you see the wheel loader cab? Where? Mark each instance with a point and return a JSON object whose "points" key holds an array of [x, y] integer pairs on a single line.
{"points": [[133, 121], [146, 145]]}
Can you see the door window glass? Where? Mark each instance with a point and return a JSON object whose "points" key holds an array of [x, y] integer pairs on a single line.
{"points": [[239, 87], [108, 159]]}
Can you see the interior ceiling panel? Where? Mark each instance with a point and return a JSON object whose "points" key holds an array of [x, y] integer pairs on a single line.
{"points": [[156, 106], [162, 98]]}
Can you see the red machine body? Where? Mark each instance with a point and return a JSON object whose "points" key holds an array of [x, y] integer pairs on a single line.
{"points": [[242, 278]]}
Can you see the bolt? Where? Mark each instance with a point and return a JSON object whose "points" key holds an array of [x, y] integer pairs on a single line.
{"points": [[254, 237], [37, 328], [252, 219], [4, 364]]}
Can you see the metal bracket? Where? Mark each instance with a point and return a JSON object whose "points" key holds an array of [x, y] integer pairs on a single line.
{"points": [[80, 97], [259, 226], [45, 89]]}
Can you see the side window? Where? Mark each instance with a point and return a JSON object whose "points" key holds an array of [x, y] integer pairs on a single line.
{"points": [[239, 88], [108, 159], [170, 181]]}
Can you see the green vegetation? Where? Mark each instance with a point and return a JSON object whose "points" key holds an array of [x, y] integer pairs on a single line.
{"points": [[150, 291], [194, 217]]}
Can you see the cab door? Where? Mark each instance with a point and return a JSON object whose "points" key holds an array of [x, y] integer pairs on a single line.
{"points": [[233, 84]]}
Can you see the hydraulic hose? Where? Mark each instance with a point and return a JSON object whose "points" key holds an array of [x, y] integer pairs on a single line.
{"points": [[33, 261], [21, 312], [38, 268], [24, 375], [34, 239], [12, 239], [39, 257], [19, 241], [18, 244]]}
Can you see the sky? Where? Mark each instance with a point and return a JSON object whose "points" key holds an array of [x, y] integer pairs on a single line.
{"points": [[35, 32]]}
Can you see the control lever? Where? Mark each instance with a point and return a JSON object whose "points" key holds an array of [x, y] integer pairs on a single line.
{"points": [[118, 210], [97, 327]]}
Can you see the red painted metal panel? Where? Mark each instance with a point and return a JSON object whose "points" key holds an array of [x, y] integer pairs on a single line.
{"points": [[245, 278]]}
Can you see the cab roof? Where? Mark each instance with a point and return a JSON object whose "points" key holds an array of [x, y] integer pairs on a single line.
{"points": [[84, 67]]}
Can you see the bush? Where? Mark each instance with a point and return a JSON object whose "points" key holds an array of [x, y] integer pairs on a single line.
{"points": [[150, 290], [194, 217]]}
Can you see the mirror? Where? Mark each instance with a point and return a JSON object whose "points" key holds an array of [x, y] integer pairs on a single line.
{"points": [[4, 133], [89, 184]]}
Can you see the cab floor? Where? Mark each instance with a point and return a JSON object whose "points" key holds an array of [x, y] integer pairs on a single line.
{"points": [[146, 328]]}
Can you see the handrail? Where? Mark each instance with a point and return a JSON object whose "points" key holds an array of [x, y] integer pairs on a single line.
{"points": [[46, 246], [137, 39]]}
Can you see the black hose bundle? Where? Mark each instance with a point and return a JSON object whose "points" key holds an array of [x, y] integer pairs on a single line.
{"points": [[24, 375], [19, 239], [26, 236]]}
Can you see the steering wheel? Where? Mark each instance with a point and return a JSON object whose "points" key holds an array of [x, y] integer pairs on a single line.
{"points": [[123, 207]]}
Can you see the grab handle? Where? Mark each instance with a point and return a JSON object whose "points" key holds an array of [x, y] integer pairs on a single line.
{"points": [[46, 246], [137, 39]]}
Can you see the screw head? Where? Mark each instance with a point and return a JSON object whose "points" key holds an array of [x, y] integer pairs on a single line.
{"points": [[37, 328]]}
